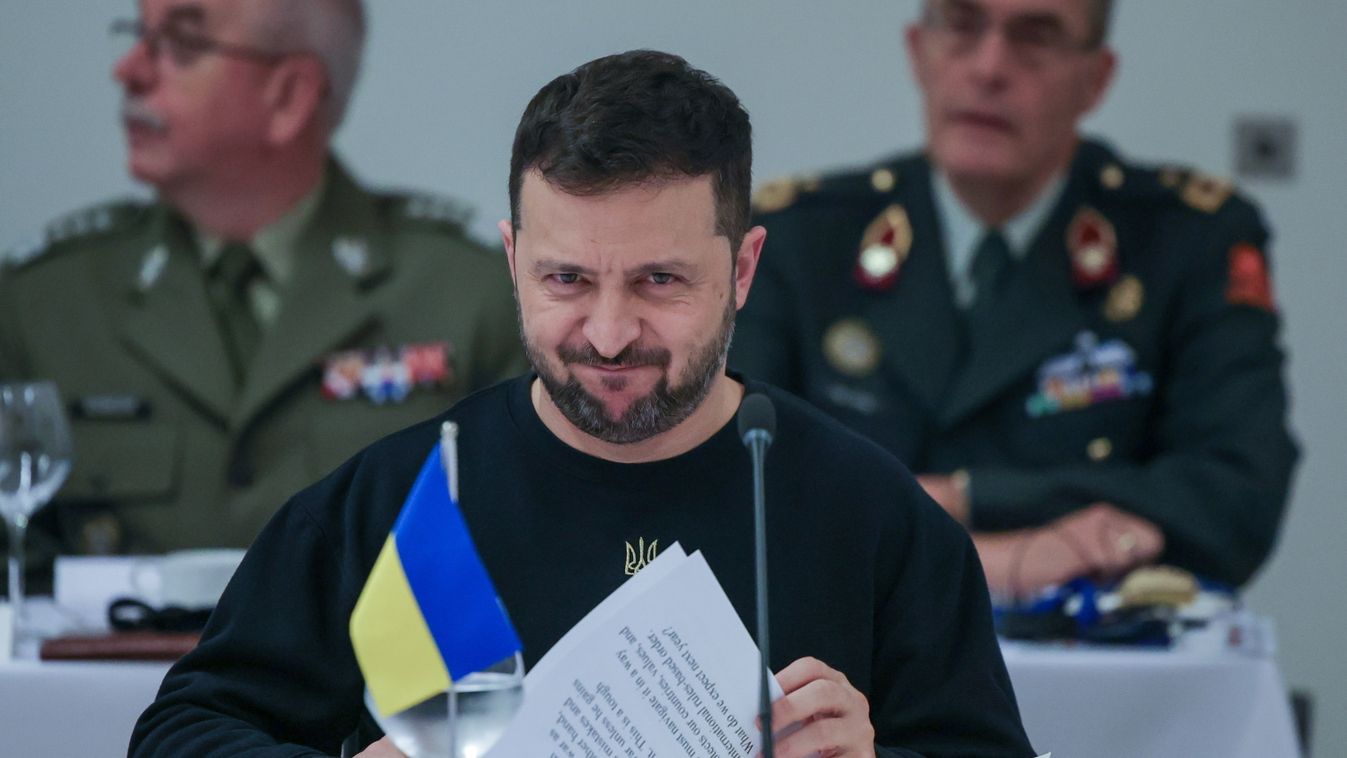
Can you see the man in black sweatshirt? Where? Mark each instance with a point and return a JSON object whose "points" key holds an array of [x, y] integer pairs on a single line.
{"points": [[630, 250]]}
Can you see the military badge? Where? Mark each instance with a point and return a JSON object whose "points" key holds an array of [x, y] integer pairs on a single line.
{"points": [[342, 374], [851, 347], [1124, 299], [1249, 283], [1093, 247], [884, 247], [1091, 374], [151, 268], [385, 378], [428, 364], [352, 255], [387, 375]]}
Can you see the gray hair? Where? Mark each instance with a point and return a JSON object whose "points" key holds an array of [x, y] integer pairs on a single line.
{"points": [[332, 30]]}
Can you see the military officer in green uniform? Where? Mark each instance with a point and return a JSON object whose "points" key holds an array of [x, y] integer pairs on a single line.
{"points": [[1078, 354], [267, 317]]}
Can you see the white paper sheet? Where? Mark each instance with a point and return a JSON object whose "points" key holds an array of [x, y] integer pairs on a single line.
{"points": [[664, 667]]}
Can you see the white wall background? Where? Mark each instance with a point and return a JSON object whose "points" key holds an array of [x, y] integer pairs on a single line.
{"points": [[827, 84]]}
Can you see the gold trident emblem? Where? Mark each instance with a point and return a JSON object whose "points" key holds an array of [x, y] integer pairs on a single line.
{"points": [[639, 556]]}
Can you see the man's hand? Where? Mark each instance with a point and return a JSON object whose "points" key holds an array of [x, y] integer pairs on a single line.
{"points": [[1100, 541], [381, 749], [950, 492], [835, 716]]}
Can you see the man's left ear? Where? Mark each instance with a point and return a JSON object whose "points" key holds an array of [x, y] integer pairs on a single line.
{"points": [[295, 94], [746, 263]]}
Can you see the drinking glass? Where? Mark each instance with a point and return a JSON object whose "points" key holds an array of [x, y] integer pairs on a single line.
{"points": [[462, 723], [35, 457]]}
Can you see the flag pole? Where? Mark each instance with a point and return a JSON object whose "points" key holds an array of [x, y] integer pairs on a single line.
{"points": [[449, 455]]}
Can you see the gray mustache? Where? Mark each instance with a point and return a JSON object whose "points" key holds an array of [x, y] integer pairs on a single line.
{"points": [[141, 114]]}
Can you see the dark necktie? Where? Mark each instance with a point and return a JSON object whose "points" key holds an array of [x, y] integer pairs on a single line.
{"points": [[989, 270], [234, 272]]}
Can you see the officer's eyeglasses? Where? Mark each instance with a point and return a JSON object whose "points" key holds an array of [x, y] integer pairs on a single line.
{"points": [[1034, 40], [185, 46]]}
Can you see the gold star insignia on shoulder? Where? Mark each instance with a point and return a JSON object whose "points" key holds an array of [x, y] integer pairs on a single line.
{"points": [[780, 194], [1206, 193]]}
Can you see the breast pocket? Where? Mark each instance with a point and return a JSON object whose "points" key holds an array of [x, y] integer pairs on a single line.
{"points": [[122, 460], [340, 429]]}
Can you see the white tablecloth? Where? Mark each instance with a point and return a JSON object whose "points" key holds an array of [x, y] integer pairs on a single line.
{"points": [[1076, 703], [1154, 703]]}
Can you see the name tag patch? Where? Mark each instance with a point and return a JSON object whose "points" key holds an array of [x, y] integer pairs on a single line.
{"points": [[1095, 372]]}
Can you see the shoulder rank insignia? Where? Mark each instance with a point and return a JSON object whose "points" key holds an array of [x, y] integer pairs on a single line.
{"points": [[780, 194], [1205, 193], [1249, 283], [851, 347], [1093, 247], [1124, 299], [884, 247], [427, 207]]}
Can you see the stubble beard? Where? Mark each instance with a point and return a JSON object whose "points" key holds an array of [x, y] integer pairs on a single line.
{"points": [[654, 413]]}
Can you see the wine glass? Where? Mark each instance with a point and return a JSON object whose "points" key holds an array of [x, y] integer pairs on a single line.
{"points": [[35, 457], [462, 723]]}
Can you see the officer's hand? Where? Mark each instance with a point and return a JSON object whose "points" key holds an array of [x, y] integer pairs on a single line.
{"points": [[835, 715], [381, 749], [950, 492], [1109, 541]]}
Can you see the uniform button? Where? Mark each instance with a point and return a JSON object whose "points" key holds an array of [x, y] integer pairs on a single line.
{"points": [[1099, 449], [883, 180]]}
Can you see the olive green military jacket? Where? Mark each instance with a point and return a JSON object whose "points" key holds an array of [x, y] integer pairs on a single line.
{"points": [[391, 315], [1132, 357]]}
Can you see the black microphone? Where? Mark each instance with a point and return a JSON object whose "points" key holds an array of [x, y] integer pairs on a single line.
{"points": [[757, 426]]}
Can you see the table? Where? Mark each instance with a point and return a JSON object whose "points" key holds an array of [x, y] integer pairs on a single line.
{"points": [[1078, 703], [1119, 703]]}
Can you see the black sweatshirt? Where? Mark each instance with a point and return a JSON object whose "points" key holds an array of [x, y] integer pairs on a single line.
{"points": [[867, 575]]}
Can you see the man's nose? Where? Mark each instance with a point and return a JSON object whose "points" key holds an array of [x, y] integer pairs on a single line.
{"points": [[612, 325], [992, 56], [136, 69]]}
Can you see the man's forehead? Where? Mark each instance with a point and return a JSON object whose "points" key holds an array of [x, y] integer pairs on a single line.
{"points": [[209, 15], [682, 204], [1066, 10]]}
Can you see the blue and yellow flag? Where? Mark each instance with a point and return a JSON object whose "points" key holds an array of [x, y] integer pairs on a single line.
{"points": [[428, 614]]}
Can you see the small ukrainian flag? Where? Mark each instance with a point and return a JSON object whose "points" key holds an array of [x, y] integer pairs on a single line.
{"points": [[428, 614]]}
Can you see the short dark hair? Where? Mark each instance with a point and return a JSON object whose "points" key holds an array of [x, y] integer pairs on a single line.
{"points": [[1101, 17], [635, 117]]}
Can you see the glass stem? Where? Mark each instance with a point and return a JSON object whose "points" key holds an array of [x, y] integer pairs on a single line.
{"points": [[18, 527]]}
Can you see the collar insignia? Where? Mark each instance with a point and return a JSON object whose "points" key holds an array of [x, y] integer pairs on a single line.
{"points": [[884, 248], [1093, 246]]}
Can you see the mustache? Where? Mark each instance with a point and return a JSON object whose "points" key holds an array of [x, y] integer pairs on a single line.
{"points": [[630, 357], [137, 112]]}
